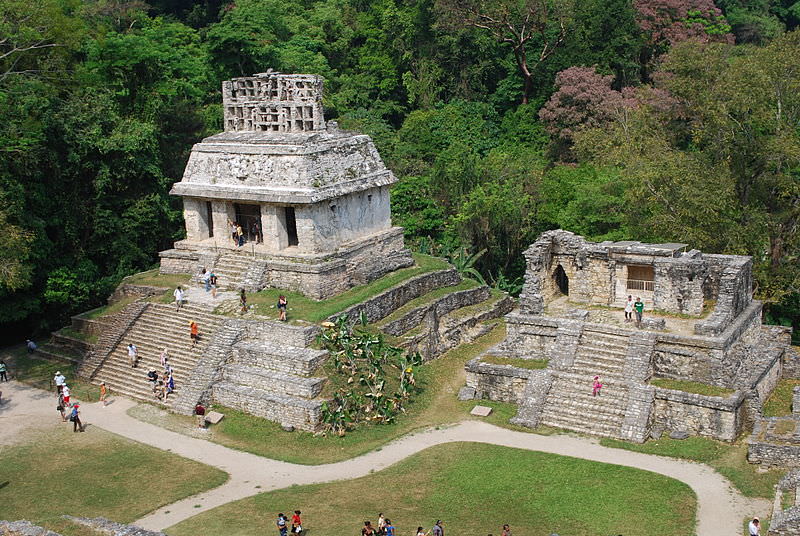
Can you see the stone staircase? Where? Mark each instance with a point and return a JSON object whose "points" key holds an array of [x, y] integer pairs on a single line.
{"points": [[570, 404], [274, 381], [159, 326], [231, 269]]}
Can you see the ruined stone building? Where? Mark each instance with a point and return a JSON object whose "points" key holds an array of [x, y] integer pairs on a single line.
{"points": [[701, 325], [312, 200]]}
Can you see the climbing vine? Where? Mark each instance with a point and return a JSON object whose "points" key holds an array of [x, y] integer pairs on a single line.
{"points": [[374, 380]]}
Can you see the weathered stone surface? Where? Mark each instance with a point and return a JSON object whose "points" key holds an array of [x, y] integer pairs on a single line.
{"points": [[679, 434], [786, 522], [117, 326], [467, 393], [654, 323], [111, 528], [23, 528], [481, 411]]}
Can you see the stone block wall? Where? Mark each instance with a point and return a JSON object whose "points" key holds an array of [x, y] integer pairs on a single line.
{"points": [[289, 360], [678, 287], [709, 416], [733, 292], [529, 335], [262, 378], [89, 326], [786, 522], [176, 261], [502, 383], [444, 305], [300, 413], [392, 299]]}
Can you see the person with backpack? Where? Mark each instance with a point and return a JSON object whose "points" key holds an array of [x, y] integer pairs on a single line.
{"points": [[74, 416], [283, 530], [213, 280]]}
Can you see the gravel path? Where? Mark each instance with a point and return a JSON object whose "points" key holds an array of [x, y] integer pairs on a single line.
{"points": [[720, 507]]}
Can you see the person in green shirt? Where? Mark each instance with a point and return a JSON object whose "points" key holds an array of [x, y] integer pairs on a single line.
{"points": [[638, 306]]}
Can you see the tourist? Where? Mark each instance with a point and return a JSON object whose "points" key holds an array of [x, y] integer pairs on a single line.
{"points": [[167, 368], [243, 301], [152, 376], [170, 384], [31, 346], [368, 529], [255, 232], [178, 294], [3, 371], [133, 354], [60, 407], [628, 309], [65, 393], [421, 532], [194, 333], [381, 530], [60, 381], [506, 530], [239, 236], [103, 393], [438, 529], [754, 527], [596, 386], [206, 278], [297, 523], [232, 227], [639, 308], [281, 524], [388, 529], [213, 280], [163, 358], [200, 411], [282, 303], [74, 416]]}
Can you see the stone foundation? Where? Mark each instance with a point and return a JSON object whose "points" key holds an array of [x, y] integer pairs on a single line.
{"points": [[708, 416], [300, 413]]}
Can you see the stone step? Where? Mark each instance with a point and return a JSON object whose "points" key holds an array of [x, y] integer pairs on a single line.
{"points": [[610, 351], [599, 365], [285, 359], [288, 410], [586, 425], [606, 339], [273, 382], [59, 353]]}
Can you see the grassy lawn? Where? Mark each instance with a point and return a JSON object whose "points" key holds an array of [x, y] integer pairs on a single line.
{"points": [[730, 460], [93, 474], [69, 332], [437, 404], [154, 279], [779, 402], [303, 308], [474, 489], [530, 364], [39, 373], [692, 387]]}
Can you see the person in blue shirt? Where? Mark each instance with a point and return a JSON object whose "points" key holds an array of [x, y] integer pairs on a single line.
{"points": [[389, 528]]}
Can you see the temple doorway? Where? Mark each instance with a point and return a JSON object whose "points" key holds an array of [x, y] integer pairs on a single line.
{"points": [[249, 217], [291, 226], [562, 281]]}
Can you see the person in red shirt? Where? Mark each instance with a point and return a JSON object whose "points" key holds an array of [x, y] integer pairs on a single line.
{"points": [[195, 332], [297, 524]]}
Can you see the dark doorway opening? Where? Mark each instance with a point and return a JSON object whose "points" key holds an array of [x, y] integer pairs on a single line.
{"points": [[291, 226], [562, 281], [210, 219], [249, 217]]}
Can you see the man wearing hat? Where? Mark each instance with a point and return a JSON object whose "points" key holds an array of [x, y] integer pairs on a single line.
{"points": [[60, 381], [754, 527], [74, 416]]}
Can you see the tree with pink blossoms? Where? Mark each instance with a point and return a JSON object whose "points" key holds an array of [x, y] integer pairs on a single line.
{"points": [[667, 22], [584, 99]]}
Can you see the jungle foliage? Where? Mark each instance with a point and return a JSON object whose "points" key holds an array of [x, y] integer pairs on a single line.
{"points": [[616, 119]]}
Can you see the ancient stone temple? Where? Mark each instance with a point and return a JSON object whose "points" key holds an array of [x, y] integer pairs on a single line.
{"points": [[312, 200], [701, 326]]}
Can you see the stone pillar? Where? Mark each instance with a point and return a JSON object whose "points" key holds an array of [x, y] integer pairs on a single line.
{"points": [[273, 225], [306, 231], [221, 212], [194, 216]]}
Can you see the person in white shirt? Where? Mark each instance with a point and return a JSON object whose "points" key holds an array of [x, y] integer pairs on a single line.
{"points": [[60, 381], [133, 354], [754, 527], [629, 309], [178, 298]]}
